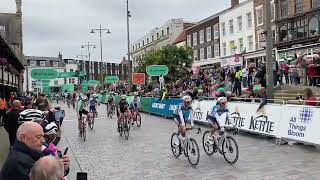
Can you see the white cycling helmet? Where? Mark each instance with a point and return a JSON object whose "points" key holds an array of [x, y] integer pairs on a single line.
{"points": [[222, 100], [34, 115], [135, 93], [94, 95], [187, 98], [51, 129], [84, 98]]}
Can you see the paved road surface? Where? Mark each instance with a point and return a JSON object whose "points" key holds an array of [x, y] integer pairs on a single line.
{"points": [[147, 154]]}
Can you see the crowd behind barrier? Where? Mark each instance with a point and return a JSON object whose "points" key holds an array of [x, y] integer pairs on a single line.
{"points": [[279, 120]]}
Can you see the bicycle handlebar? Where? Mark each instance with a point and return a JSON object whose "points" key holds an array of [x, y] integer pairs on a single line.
{"points": [[199, 129]]}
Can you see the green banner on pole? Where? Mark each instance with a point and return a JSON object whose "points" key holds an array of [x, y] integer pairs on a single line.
{"points": [[111, 79], [92, 82], [157, 70], [44, 74]]}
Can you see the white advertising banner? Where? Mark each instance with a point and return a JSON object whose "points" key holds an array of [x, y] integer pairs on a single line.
{"points": [[200, 110], [301, 123]]}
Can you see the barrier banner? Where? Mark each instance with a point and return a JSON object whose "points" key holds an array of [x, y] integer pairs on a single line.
{"points": [[165, 107], [200, 110], [146, 103], [300, 123]]}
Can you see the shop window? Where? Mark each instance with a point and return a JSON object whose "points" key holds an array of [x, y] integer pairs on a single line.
{"points": [[314, 25]]}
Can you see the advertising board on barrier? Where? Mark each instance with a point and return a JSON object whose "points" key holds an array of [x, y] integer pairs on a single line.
{"points": [[301, 123], [165, 107], [200, 110]]}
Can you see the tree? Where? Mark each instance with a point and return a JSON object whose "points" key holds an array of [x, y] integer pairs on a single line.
{"points": [[178, 60]]}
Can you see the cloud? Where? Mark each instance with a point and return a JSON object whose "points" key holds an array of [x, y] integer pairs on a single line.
{"points": [[64, 25]]}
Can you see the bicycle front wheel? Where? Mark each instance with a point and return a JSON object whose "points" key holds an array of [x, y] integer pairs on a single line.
{"points": [[84, 131], [208, 148], [193, 152], [126, 129], [138, 119], [230, 150], [175, 145], [91, 123]]}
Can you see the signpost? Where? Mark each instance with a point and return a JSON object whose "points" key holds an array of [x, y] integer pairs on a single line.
{"points": [[157, 70], [138, 78], [111, 79], [44, 74]]}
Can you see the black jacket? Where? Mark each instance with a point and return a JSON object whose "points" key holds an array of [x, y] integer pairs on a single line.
{"points": [[19, 162], [11, 121]]}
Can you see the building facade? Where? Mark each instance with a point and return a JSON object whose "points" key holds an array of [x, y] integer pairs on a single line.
{"points": [[157, 38], [298, 27]]}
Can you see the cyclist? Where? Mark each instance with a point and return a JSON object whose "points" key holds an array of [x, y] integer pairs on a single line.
{"points": [[260, 92], [135, 104], [122, 107], [93, 103], [110, 101], [183, 115], [213, 115], [81, 109]]}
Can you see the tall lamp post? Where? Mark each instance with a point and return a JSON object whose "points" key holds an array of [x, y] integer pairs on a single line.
{"points": [[89, 55], [128, 34], [100, 29]]}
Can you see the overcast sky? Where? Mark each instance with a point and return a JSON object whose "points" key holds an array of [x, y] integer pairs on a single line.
{"points": [[50, 26]]}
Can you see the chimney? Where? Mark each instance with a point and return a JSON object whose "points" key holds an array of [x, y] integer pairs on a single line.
{"points": [[234, 3]]}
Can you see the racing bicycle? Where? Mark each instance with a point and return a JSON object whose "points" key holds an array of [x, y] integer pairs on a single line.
{"points": [[136, 118], [124, 126]]}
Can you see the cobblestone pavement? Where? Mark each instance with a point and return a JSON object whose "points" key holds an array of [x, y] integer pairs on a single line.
{"points": [[147, 154]]}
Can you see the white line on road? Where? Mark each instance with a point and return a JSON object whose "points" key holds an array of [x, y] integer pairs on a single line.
{"points": [[72, 120]]}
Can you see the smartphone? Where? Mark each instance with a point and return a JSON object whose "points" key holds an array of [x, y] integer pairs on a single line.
{"points": [[59, 154], [82, 176], [66, 151]]}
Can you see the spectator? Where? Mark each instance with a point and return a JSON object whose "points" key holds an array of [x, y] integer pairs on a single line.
{"points": [[47, 168], [11, 121], [237, 82], [227, 84], [3, 107], [245, 74], [310, 99], [275, 69]]}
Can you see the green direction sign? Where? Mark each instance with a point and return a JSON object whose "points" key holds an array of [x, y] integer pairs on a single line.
{"points": [[45, 85], [82, 73], [111, 79], [44, 74], [45, 81], [46, 90], [67, 87], [67, 74], [92, 82], [157, 70]]}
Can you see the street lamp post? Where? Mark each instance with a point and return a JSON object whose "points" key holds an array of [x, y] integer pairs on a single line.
{"points": [[101, 54], [128, 34], [89, 55]]}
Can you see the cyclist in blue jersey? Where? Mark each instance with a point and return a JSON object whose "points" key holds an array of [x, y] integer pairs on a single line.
{"points": [[183, 115], [214, 115], [92, 103]]}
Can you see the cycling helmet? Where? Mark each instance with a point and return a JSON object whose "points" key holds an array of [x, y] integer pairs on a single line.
{"points": [[123, 97], [84, 98], [221, 90], [51, 129], [34, 115], [94, 95], [222, 100], [256, 88], [135, 93], [187, 98]]}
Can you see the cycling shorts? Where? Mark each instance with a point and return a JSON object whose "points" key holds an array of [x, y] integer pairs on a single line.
{"points": [[177, 119], [92, 108], [83, 111], [212, 121]]}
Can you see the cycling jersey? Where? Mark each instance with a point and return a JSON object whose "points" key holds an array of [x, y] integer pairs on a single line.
{"points": [[135, 103], [93, 102], [215, 112], [123, 106], [183, 114], [110, 99]]}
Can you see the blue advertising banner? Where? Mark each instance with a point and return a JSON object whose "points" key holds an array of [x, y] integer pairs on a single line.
{"points": [[165, 107]]}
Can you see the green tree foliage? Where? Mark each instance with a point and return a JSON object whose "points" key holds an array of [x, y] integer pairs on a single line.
{"points": [[178, 60]]}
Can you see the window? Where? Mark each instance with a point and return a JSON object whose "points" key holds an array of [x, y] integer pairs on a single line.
{"points": [[209, 52], [299, 6], [283, 33], [239, 23], [195, 54], [315, 3], [314, 25], [168, 31], [152, 38], [55, 82], [241, 48], [250, 43], [55, 64], [42, 63], [259, 13], [273, 15], [224, 49], [195, 39], [189, 40], [232, 47], [298, 28], [147, 40], [157, 35], [249, 20], [201, 53], [284, 8], [201, 36], [162, 33], [216, 50], [32, 63], [208, 32], [231, 26], [3, 31], [33, 83], [223, 28], [142, 43], [273, 36], [216, 31]]}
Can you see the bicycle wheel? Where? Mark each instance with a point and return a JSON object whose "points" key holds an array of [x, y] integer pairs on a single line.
{"points": [[193, 152], [120, 130], [208, 148], [84, 131], [91, 122], [227, 147], [126, 129], [175, 145], [138, 120]]}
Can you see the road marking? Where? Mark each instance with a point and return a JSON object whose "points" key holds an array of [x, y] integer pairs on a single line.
{"points": [[71, 120]]}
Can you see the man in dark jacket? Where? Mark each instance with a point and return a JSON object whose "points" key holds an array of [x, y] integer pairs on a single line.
{"points": [[26, 151], [11, 121]]}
